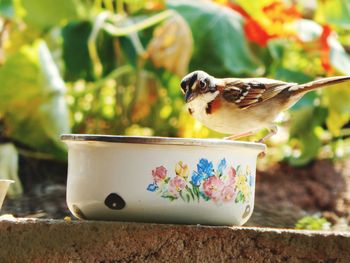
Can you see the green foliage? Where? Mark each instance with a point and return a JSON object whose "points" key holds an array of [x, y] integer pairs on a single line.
{"points": [[226, 47], [6, 8], [32, 100], [78, 64], [118, 83], [45, 14], [313, 223]]}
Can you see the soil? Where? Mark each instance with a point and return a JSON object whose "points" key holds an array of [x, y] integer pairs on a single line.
{"points": [[284, 194]]}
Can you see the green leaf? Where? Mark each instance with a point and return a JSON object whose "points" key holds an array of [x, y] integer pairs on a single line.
{"points": [[239, 197], [313, 223], [195, 190], [310, 144], [220, 46], [6, 8], [336, 12], [75, 51], [307, 100], [190, 192], [339, 109], [32, 100], [170, 197], [44, 14]]}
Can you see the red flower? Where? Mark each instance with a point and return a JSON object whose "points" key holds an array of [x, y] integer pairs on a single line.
{"points": [[325, 48]]}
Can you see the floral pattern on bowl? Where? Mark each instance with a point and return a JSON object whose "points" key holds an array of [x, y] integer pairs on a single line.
{"points": [[221, 185]]}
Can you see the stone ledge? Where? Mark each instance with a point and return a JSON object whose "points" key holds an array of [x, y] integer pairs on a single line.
{"points": [[29, 240]]}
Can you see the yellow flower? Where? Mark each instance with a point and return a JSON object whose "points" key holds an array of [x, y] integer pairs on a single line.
{"points": [[245, 190], [182, 170], [241, 180]]}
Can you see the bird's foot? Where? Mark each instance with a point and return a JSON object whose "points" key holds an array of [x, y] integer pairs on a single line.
{"points": [[272, 131], [237, 136]]}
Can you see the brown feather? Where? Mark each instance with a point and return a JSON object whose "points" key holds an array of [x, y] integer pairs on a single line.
{"points": [[318, 84], [247, 92]]}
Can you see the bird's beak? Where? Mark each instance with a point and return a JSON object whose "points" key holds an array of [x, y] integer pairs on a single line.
{"points": [[189, 96]]}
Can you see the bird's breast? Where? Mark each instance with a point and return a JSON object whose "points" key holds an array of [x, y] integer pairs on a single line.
{"points": [[226, 117]]}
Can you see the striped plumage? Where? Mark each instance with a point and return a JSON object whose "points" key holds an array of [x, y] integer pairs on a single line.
{"points": [[240, 106]]}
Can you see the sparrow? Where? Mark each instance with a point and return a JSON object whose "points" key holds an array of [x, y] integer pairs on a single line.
{"points": [[243, 106]]}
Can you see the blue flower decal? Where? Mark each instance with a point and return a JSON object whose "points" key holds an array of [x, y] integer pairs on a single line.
{"points": [[197, 178], [222, 165], [152, 187], [205, 168], [250, 180]]}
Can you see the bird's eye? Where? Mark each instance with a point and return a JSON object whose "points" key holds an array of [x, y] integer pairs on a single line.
{"points": [[183, 86], [202, 84]]}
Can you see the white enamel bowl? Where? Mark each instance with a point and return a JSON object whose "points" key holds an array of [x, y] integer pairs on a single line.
{"points": [[164, 180], [4, 185]]}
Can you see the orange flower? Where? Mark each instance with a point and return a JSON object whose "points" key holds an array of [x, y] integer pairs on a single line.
{"points": [[276, 20], [280, 12], [253, 31]]}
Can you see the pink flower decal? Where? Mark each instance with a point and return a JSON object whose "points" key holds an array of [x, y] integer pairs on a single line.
{"points": [[231, 176], [176, 184], [159, 174], [227, 193], [212, 188], [225, 184]]}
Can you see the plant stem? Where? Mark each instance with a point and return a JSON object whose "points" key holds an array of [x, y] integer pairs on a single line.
{"points": [[118, 31]]}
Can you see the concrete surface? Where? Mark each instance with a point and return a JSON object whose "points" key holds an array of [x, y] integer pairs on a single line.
{"points": [[27, 240]]}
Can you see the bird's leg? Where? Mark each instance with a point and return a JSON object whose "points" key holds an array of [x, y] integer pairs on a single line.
{"points": [[237, 136], [272, 131]]}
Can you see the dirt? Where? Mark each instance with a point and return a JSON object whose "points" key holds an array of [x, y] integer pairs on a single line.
{"points": [[284, 194]]}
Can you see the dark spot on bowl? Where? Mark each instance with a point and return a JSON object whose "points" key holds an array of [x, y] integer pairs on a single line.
{"points": [[246, 212], [78, 213], [114, 201]]}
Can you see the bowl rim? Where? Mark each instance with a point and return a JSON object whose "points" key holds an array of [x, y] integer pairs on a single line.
{"points": [[160, 140]]}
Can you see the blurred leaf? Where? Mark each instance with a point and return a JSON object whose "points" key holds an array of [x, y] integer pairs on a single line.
{"points": [[307, 100], [9, 168], [171, 46], [75, 51], [220, 45], [303, 124], [339, 58], [335, 12], [292, 75], [32, 100], [6, 8], [276, 48], [78, 64], [339, 109], [313, 223], [308, 30], [44, 14]]}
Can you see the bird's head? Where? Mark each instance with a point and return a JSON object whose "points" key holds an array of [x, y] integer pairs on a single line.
{"points": [[197, 83]]}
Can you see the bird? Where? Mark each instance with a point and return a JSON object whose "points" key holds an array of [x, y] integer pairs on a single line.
{"points": [[243, 106]]}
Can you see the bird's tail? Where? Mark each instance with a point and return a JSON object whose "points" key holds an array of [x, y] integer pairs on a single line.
{"points": [[325, 82]]}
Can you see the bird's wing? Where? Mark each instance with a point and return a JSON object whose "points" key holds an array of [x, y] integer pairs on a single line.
{"points": [[249, 92]]}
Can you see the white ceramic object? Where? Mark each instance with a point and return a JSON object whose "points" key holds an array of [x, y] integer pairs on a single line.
{"points": [[165, 180], [4, 186]]}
